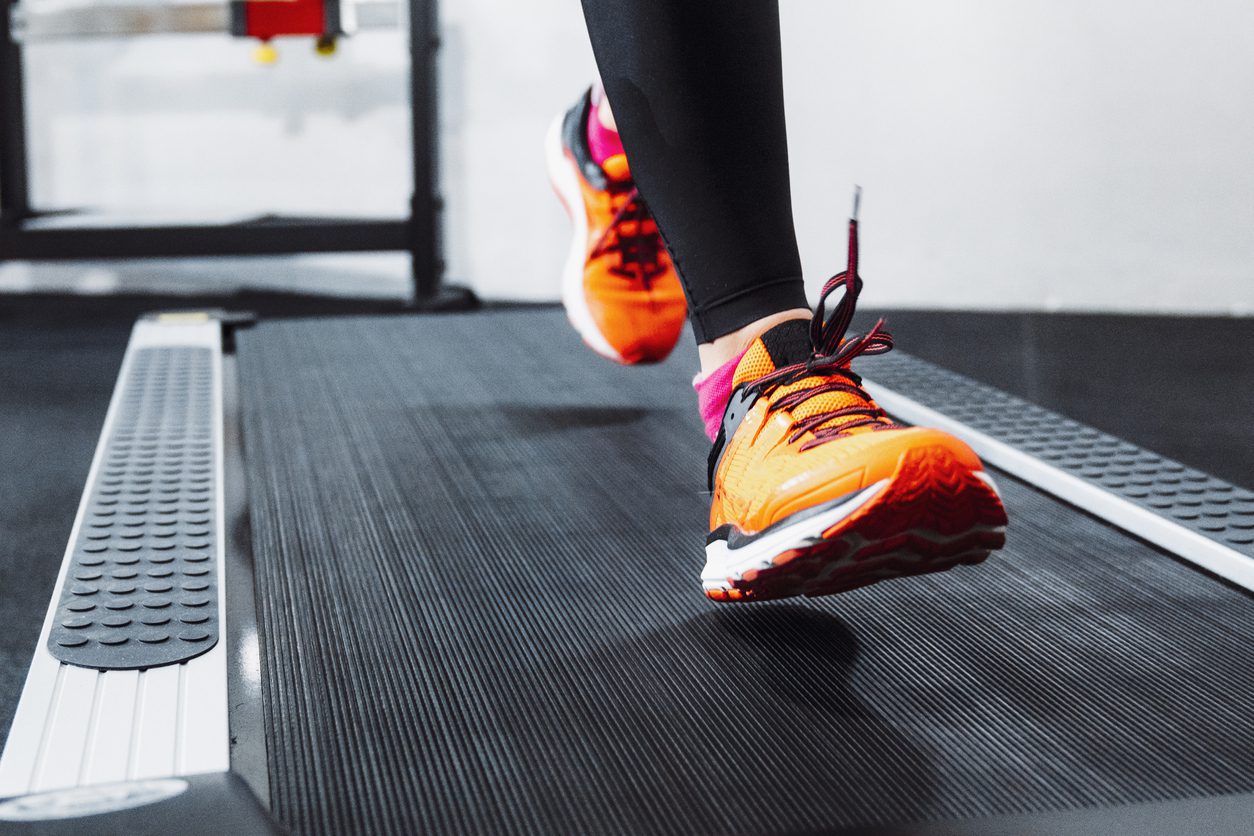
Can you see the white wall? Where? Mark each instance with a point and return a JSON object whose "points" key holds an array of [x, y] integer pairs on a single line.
{"points": [[508, 70], [1025, 154], [1033, 153]]}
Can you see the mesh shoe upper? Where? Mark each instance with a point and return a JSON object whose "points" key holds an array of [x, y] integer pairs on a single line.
{"points": [[801, 430]]}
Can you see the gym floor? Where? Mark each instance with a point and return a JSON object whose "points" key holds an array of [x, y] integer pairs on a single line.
{"points": [[1171, 385]]}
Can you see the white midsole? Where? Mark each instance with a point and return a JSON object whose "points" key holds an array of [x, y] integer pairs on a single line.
{"points": [[565, 180], [723, 564]]}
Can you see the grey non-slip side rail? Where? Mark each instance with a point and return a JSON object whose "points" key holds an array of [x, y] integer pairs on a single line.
{"points": [[128, 681], [142, 584], [1190, 513]]}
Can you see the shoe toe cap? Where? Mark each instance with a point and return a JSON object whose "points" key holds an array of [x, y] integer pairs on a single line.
{"points": [[641, 329], [842, 466]]}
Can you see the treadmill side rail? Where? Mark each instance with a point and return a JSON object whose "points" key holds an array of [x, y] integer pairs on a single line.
{"points": [[123, 712]]}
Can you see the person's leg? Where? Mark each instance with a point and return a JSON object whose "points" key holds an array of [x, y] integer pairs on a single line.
{"points": [[604, 140], [814, 489], [697, 95]]}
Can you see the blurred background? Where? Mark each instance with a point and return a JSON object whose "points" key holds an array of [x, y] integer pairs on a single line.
{"points": [[1031, 155]]}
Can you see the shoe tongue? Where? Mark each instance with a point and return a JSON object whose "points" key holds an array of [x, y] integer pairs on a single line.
{"points": [[787, 344], [784, 345], [616, 168]]}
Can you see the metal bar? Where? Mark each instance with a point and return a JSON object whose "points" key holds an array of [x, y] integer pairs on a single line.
{"points": [[268, 238], [95, 20], [427, 262], [67, 21], [243, 675], [14, 183]]}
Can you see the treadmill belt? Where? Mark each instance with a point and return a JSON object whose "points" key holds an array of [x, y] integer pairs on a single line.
{"points": [[477, 548]]}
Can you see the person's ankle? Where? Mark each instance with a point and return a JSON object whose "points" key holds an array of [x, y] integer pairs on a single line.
{"points": [[720, 351], [604, 114], [602, 134]]}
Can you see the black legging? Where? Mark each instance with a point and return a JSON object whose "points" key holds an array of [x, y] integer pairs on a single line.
{"points": [[697, 92]]}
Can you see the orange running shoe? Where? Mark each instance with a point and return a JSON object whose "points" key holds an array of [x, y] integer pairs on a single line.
{"points": [[816, 490], [619, 287]]}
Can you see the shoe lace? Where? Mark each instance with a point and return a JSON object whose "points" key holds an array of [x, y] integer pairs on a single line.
{"points": [[831, 355], [632, 235]]}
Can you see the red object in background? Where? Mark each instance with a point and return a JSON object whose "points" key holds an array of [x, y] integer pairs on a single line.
{"points": [[266, 19]]}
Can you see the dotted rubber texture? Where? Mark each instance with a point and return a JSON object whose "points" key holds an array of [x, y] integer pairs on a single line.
{"points": [[1191, 498], [478, 549], [142, 588]]}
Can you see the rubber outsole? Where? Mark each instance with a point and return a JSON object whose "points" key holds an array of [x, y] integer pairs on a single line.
{"points": [[935, 513]]}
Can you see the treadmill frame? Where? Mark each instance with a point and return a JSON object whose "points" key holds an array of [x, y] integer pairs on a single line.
{"points": [[23, 238]]}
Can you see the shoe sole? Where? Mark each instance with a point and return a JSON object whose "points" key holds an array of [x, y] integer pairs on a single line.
{"points": [[564, 178], [932, 514]]}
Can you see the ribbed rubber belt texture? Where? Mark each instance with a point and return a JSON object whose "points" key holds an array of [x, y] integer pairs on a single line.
{"points": [[477, 549]]}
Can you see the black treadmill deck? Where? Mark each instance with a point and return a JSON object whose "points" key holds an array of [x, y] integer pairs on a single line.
{"points": [[477, 554]]}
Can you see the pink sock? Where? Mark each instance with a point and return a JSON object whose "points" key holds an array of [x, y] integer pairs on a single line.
{"points": [[603, 143], [713, 392]]}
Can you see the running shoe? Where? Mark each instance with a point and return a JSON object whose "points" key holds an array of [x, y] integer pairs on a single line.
{"points": [[619, 287], [816, 490]]}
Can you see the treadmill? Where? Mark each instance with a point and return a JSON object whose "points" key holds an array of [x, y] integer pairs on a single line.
{"points": [[438, 574]]}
